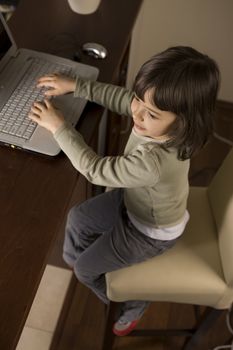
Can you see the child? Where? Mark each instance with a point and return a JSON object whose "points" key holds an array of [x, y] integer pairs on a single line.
{"points": [[172, 106]]}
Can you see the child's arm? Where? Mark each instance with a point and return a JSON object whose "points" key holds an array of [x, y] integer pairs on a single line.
{"points": [[133, 170], [115, 98], [139, 168]]}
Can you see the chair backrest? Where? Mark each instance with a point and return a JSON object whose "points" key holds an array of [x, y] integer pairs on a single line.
{"points": [[220, 193]]}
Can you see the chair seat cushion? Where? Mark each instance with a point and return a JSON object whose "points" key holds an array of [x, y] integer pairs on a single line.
{"points": [[190, 272]]}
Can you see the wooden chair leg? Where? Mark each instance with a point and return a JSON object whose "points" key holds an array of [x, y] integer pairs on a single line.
{"points": [[207, 320], [109, 336]]}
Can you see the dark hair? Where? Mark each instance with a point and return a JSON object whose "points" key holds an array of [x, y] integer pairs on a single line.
{"points": [[185, 82]]}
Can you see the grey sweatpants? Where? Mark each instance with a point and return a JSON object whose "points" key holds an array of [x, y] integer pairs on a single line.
{"points": [[100, 238]]}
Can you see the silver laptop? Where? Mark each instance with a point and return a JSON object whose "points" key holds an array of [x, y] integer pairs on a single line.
{"points": [[19, 71]]}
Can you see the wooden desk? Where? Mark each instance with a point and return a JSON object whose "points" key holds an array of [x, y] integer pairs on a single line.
{"points": [[35, 191]]}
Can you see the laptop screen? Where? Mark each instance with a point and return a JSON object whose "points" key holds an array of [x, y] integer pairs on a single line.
{"points": [[5, 41]]}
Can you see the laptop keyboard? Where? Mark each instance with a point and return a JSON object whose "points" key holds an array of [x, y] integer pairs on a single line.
{"points": [[14, 115]]}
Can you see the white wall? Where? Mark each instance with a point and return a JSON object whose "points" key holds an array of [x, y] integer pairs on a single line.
{"points": [[206, 25]]}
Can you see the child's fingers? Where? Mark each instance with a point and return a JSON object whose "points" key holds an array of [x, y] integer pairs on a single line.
{"points": [[48, 104], [38, 106], [46, 83], [51, 92], [38, 109], [52, 88], [33, 117], [35, 110], [48, 77]]}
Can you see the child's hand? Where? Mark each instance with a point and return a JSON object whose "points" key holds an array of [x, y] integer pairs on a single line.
{"points": [[57, 84], [47, 116]]}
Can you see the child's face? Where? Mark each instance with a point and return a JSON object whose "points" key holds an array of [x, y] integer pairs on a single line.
{"points": [[149, 120]]}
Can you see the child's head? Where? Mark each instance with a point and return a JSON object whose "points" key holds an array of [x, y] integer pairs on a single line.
{"points": [[180, 86]]}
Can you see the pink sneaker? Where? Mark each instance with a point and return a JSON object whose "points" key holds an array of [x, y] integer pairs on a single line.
{"points": [[122, 328]]}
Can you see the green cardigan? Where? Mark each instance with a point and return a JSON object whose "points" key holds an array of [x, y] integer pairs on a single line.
{"points": [[155, 182]]}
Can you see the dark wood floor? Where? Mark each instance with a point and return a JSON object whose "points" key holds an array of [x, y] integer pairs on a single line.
{"points": [[84, 326]]}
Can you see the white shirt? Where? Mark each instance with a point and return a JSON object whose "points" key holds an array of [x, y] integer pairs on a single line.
{"points": [[163, 233]]}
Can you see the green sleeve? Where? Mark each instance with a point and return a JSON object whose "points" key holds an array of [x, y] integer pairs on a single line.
{"points": [[115, 98], [128, 171]]}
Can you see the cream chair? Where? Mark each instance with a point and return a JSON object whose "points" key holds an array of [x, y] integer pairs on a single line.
{"points": [[197, 271]]}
